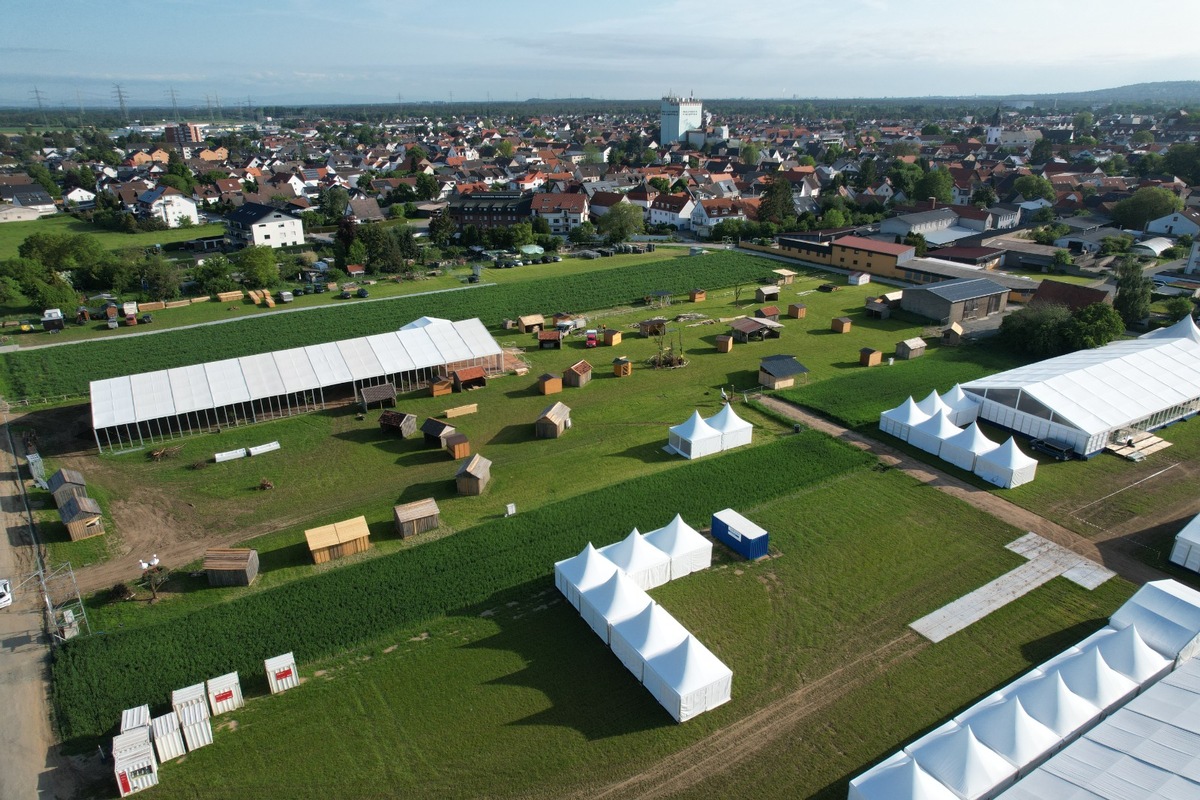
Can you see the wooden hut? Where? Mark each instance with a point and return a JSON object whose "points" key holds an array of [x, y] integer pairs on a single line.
{"points": [[553, 423], [768, 312], [910, 348], [652, 327], [697, 295], [785, 276], [747, 329], [766, 294], [877, 308], [780, 371], [473, 475], [840, 325], [611, 337], [458, 445], [622, 367], [724, 343], [797, 311], [81, 515], [441, 387], [550, 339], [338, 540], [231, 566], [953, 336], [383, 394], [436, 431], [531, 323], [398, 422], [469, 378], [66, 483], [417, 517], [578, 374], [550, 383], [870, 357]]}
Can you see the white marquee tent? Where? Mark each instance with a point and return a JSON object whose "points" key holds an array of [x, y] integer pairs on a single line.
{"points": [[961, 449], [689, 551], [930, 434], [1003, 724], [1051, 702], [900, 420], [643, 636], [1006, 466], [694, 438], [932, 404], [644, 563], [964, 408], [898, 778], [1126, 651], [579, 573], [688, 679], [1167, 615], [1088, 675], [1186, 552], [734, 430], [615, 600], [966, 766]]}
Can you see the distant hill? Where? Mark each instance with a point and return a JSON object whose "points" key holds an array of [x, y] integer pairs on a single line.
{"points": [[1182, 92]]}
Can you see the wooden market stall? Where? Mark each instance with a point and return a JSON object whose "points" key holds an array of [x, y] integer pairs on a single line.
{"points": [[338, 540]]}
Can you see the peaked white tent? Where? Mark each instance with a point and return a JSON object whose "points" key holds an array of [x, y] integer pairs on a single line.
{"points": [[688, 550], [1167, 615], [964, 408], [932, 404], [694, 438], [1088, 675], [643, 562], [613, 601], [734, 430], [1003, 724], [688, 679], [1186, 552], [1006, 466], [1051, 702], [961, 449], [898, 778], [580, 573], [966, 766], [899, 421], [646, 634], [1127, 652], [930, 434]]}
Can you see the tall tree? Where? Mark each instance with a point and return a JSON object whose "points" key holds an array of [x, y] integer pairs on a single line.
{"points": [[258, 267], [1133, 291], [777, 204], [1147, 203], [938, 184], [621, 221], [1034, 187]]}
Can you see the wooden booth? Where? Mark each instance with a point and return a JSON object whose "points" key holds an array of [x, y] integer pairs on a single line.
{"points": [[749, 329], [697, 295], [469, 378], [953, 336], [578, 374], [473, 475], [458, 445], [550, 383], [768, 312], [781, 371], [81, 514], [785, 277], [383, 394], [840, 325], [797, 311], [398, 422], [724, 343], [550, 339], [531, 323], [553, 423], [66, 483], [338, 540], [231, 566], [611, 337], [436, 431], [910, 348], [416, 517], [622, 367], [441, 387], [870, 357], [766, 294], [652, 327]]}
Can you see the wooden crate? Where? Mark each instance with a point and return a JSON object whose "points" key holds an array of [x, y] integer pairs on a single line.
{"points": [[460, 411], [440, 388]]}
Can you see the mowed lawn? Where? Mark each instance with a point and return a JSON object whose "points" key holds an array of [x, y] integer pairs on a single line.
{"points": [[13, 233], [520, 699]]}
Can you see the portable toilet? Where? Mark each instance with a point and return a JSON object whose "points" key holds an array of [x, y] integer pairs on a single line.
{"points": [[739, 534]]}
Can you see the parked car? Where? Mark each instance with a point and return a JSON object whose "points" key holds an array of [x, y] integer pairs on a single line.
{"points": [[1056, 450], [6, 596], [363, 292], [147, 319], [345, 295]]}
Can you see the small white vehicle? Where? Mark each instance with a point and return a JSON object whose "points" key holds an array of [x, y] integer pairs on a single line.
{"points": [[5, 593]]}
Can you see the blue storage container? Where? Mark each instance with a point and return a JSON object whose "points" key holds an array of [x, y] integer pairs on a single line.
{"points": [[739, 534]]}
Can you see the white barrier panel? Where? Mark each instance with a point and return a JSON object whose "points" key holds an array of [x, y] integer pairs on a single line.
{"points": [[225, 693], [282, 673], [264, 448], [168, 740], [133, 761], [191, 706], [229, 455], [135, 718]]}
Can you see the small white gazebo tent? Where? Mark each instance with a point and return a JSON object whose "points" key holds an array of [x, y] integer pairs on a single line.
{"points": [[694, 438], [688, 679], [1006, 466], [688, 550], [963, 448], [582, 572], [615, 600], [734, 430], [932, 404], [965, 765], [643, 562], [964, 408], [643, 636], [930, 434], [1186, 552], [898, 778], [1003, 724], [899, 421]]}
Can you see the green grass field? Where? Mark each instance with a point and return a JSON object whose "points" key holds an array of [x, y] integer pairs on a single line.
{"points": [[13, 233]]}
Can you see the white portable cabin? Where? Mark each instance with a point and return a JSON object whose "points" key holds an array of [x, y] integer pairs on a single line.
{"points": [[282, 673], [134, 766], [643, 562], [962, 449], [898, 778], [135, 718], [615, 600], [930, 434], [964, 408], [191, 707], [1006, 466], [168, 740], [225, 693], [734, 430], [694, 438], [955, 756], [1186, 552], [900, 420], [688, 679], [582, 572], [644, 635], [689, 551]]}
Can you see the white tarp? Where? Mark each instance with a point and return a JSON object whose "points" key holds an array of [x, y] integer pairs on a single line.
{"points": [[966, 766], [112, 403], [1006, 466], [930, 434], [962, 449], [226, 382], [152, 395], [295, 370], [898, 778], [1186, 552], [189, 389], [734, 430], [688, 679], [644, 563], [694, 437], [899, 421], [1003, 724], [328, 364], [615, 600], [1167, 615], [581, 572], [644, 635], [688, 550], [360, 359], [964, 408], [262, 376], [391, 353]]}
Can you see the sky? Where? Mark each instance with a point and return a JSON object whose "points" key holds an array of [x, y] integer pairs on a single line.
{"points": [[377, 51]]}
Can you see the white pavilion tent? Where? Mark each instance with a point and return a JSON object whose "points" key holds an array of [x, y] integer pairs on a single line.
{"points": [[964, 408], [930, 434], [579, 573], [688, 550], [1167, 615], [1088, 675], [900, 420], [963, 448], [615, 600], [1003, 724], [688, 679], [932, 404], [1051, 702], [694, 438], [956, 757], [734, 430], [644, 635], [1186, 552], [1126, 651], [644, 563], [898, 778], [1006, 466]]}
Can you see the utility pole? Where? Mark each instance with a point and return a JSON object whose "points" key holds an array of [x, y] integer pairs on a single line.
{"points": [[249, 113], [119, 94], [37, 95], [220, 114], [79, 100], [208, 102], [174, 102]]}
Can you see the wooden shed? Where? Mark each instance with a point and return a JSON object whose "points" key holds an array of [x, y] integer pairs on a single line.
{"points": [[550, 383], [231, 566], [550, 339], [767, 312], [473, 475], [766, 294], [436, 431], [652, 327], [781, 371], [877, 308], [611, 337], [724, 343], [383, 394], [531, 323], [797, 311], [553, 423], [840, 325], [458, 445], [859, 278], [469, 378], [578, 374], [416, 517], [785, 276], [697, 295], [910, 348], [66, 483], [953, 336], [622, 367], [81, 515], [870, 357], [398, 422], [747, 329], [338, 540], [441, 387]]}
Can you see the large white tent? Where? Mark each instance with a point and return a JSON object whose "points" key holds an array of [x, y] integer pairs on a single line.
{"points": [[734, 430], [1088, 675], [129, 410], [579, 573], [963, 448], [932, 404], [688, 679], [964, 408], [930, 434], [694, 437], [900, 420], [688, 550], [1167, 615], [1186, 551], [1006, 466], [898, 778], [1126, 651], [1051, 702], [1003, 724], [644, 635], [966, 766], [644, 563], [615, 600]]}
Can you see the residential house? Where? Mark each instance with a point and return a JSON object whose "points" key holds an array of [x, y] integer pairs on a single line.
{"points": [[563, 212], [169, 205], [29, 196], [672, 209], [12, 213], [363, 209], [257, 224], [1178, 223], [79, 198], [601, 202], [489, 209], [709, 213]]}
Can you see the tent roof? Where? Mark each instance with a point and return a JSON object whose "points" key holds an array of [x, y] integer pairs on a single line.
{"points": [[634, 553], [1008, 456], [932, 403], [688, 666], [898, 778], [587, 569], [1088, 675], [1005, 726], [954, 755], [973, 439], [907, 413], [618, 597], [957, 399], [726, 421], [676, 537], [1167, 614], [1191, 531], [1127, 652], [1050, 701], [651, 630], [939, 425], [695, 429]]}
